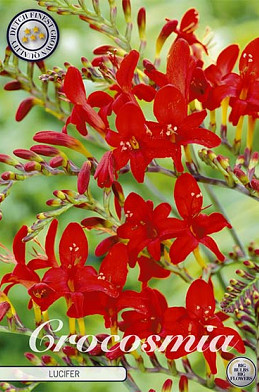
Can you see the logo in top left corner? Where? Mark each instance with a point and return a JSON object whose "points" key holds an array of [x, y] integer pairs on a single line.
{"points": [[33, 35]]}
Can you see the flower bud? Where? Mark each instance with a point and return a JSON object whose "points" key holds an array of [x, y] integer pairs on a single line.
{"points": [[48, 360], [27, 154], [142, 23], [70, 351], [167, 30], [57, 161], [25, 106], [61, 139], [241, 176], [4, 307], [167, 387], [94, 222], [47, 151], [32, 166], [8, 160], [223, 384], [126, 5], [13, 85], [183, 384], [33, 359], [84, 177]]}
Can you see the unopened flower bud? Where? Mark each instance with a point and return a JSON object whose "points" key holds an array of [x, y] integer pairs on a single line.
{"points": [[13, 85], [167, 386], [57, 162], [142, 23], [61, 139], [241, 176], [126, 5], [48, 360], [32, 166], [47, 151], [33, 359], [8, 160], [84, 177], [27, 154], [25, 106], [183, 384]]}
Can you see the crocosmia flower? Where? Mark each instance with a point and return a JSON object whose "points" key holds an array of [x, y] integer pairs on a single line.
{"points": [[147, 226], [198, 226], [82, 112], [198, 318], [177, 128]]}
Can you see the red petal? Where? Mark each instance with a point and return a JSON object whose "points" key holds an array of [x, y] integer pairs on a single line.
{"points": [[138, 165], [125, 73], [158, 77], [130, 120], [74, 86], [73, 246], [199, 136], [134, 204], [170, 106], [99, 99], [194, 120], [105, 245], [208, 224], [114, 265], [19, 245], [211, 357], [43, 295], [211, 244], [182, 247], [150, 269], [227, 59], [249, 60], [188, 196], [77, 118], [179, 59], [142, 91], [200, 299], [190, 21], [50, 243], [155, 249]]}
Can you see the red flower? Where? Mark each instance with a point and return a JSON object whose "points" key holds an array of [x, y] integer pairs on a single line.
{"points": [[106, 288], [126, 89], [147, 317], [188, 25], [215, 75], [149, 269], [198, 226], [72, 278], [82, 112], [243, 88], [146, 226], [105, 172], [133, 141], [21, 274], [198, 318], [25, 274], [175, 127]]}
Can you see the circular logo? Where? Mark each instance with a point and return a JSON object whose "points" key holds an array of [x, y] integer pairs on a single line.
{"points": [[241, 371], [32, 35]]}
